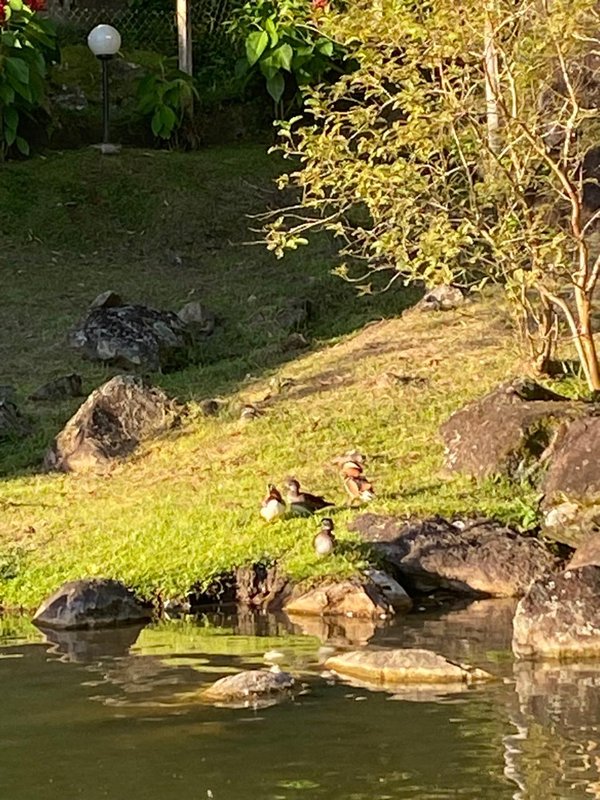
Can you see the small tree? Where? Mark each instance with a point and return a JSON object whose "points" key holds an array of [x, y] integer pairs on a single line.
{"points": [[455, 152]]}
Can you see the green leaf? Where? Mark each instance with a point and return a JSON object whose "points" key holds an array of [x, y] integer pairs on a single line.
{"points": [[256, 45], [283, 56], [22, 146], [272, 31], [325, 47], [17, 70], [276, 86], [16, 5]]}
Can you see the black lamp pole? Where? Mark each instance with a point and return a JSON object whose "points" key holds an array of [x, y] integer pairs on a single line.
{"points": [[105, 99]]}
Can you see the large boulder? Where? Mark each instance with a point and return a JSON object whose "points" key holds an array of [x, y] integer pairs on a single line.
{"points": [[132, 336], [257, 687], [508, 430], [571, 485], [385, 667], [350, 598], [91, 603], [110, 424], [559, 617], [479, 557]]}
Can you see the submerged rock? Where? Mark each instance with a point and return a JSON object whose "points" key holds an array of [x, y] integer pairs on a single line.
{"points": [[559, 617], [91, 603], [110, 424], [479, 557], [257, 686], [386, 667], [351, 598]]}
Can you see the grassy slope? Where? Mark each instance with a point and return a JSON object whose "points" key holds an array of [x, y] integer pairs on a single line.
{"points": [[185, 507]]}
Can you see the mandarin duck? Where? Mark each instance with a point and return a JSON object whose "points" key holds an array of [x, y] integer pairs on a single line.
{"points": [[358, 486], [273, 506], [303, 503], [324, 541]]}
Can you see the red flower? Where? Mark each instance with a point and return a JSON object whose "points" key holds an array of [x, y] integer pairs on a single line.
{"points": [[320, 5], [37, 5], [2, 11]]}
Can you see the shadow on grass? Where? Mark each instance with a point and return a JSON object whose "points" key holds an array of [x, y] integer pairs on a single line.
{"points": [[161, 229]]}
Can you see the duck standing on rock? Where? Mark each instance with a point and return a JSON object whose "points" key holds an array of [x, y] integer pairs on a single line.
{"points": [[302, 503], [358, 486], [324, 541], [272, 507]]}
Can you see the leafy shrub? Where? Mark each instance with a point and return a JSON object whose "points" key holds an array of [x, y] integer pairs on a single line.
{"points": [[283, 42], [166, 96], [27, 47]]}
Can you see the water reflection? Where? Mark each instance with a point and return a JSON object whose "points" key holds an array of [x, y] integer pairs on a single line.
{"points": [[115, 714], [555, 751], [89, 646]]}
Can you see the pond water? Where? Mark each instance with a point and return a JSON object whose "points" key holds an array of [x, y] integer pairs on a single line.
{"points": [[116, 715]]}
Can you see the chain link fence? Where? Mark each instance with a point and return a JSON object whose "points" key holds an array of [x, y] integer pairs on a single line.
{"points": [[154, 29]]}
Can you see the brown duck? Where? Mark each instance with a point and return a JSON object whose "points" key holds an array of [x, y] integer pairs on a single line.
{"points": [[302, 503]]}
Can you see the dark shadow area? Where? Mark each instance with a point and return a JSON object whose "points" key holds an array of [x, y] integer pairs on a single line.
{"points": [[161, 229]]}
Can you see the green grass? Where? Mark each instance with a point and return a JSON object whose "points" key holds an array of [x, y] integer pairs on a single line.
{"points": [[186, 506]]}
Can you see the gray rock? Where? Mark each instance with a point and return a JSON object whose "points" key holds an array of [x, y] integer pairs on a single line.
{"points": [[59, 388], [91, 603], [574, 469], [388, 667], [8, 394], [587, 553], [210, 407], [197, 318], [132, 337], [70, 98], [108, 299], [441, 298], [509, 431], [110, 424], [350, 598], [12, 424], [559, 617], [480, 557], [250, 688]]}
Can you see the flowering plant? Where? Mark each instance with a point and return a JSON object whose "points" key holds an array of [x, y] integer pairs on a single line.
{"points": [[27, 46]]}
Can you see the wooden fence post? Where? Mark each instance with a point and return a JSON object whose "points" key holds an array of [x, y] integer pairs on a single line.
{"points": [[184, 35]]}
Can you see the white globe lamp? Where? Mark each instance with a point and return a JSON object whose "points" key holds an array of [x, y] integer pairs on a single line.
{"points": [[105, 42]]}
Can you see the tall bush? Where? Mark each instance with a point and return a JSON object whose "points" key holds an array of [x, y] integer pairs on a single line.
{"points": [[456, 152], [27, 47]]}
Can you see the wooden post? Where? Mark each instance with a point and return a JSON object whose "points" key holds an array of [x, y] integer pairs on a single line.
{"points": [[184, 35], [490, 59]]}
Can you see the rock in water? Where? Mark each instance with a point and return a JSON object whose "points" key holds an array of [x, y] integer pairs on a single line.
{"points": [[559, 617], [110, 424], [350, 598], [385, 667], [91, 603], [250, 687], [478, 557], [132, 336]]}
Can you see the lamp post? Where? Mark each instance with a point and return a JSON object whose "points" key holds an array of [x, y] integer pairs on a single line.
{"points": [[104, 41]]}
